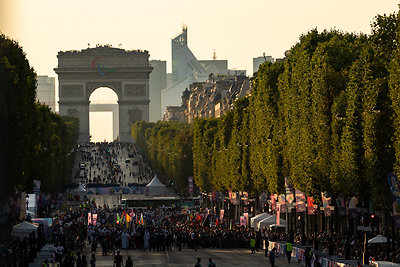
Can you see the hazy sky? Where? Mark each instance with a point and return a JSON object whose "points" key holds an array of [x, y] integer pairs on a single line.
{"points": [[237, 30]]}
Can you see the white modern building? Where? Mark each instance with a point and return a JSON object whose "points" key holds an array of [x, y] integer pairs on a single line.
{"points": [[157, 83], [186, 70], [257, 61], [46, 91]]}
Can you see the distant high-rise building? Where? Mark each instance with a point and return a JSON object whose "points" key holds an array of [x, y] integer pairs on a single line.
{"points": [[157, 83], [186, 69], [257, 61], [46, 90]]}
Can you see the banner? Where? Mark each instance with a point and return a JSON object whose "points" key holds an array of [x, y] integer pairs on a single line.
{"points": [[89, 218], [300, 201], [234, 198], [242, 221], [394, 186], [311, 208], [246, 216], [221, 215], [289, 191], [326, 202], [273, 201], [353, 210], [278, 214], [190, 182], [282, 203], [94, 219], [246, 198]]}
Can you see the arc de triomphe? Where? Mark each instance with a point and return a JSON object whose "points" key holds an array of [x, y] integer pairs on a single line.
{"points": [[125, 72]]}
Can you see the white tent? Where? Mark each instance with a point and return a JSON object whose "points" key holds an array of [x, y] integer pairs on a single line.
{"points": [[377, 239], [254, 220], [156, 188], [80, 191], [270, 221], [24, 229]]}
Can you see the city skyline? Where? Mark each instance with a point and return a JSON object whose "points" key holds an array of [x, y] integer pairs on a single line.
{"points": [[237, 32]]}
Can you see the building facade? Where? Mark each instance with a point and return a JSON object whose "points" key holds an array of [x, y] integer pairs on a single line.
{"points": [[46, 90], [157, 83]]}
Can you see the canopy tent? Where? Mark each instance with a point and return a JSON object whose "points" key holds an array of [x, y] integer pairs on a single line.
{"points": [[156, 188], [79, 191], [254, 220], [377, 239], [270, 221], [24, 229]]}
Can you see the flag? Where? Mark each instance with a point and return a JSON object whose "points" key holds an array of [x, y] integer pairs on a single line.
{"points": [[132, 213], [242, 221], [300, 201], [311, 208], [118, 218], [89, 218], [128, 218], [94, 219], [278, 214], [141, 221], [221, 215], [326, 202], [273, 201]]}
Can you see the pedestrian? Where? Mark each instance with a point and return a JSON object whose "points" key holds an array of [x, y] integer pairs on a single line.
{"points": [[198, 264], [272, 257], [266, 245], [118, 260], [93, 260], [307, 257], [128, 262], [316, 262], [211, 263], [252, 244], [289, 251]]}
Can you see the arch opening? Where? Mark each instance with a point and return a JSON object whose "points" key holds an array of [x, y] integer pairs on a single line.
{"points": [[103, 115]]}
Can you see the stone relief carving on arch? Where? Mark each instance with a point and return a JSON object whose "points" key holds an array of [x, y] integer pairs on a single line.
{"points": [[135, 115], [72, 90], [138, 90], [73, 112]]}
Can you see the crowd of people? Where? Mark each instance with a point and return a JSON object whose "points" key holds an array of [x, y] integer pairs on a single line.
{"points": [[110, 163], [161, 229]]}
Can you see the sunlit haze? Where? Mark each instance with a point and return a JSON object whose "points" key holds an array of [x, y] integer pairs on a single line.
{"points": [[237, 30]]}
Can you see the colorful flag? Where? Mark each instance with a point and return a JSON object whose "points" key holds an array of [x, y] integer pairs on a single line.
{"points": [[326, 202], [221, 215], [89, 218], [278, 214], [300, 201], [128, 218], [118, 218], [273, 201], [94, 219], [246, 198], [311, 208], [242, 221]]}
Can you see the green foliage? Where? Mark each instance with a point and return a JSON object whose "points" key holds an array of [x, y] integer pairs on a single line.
{"points": [[326, 117], [34, 141], [168, 146]]}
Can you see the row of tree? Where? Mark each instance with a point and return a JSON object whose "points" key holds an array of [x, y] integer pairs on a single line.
{"points": [[35, 142], [327, 118], [168, 146]]}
